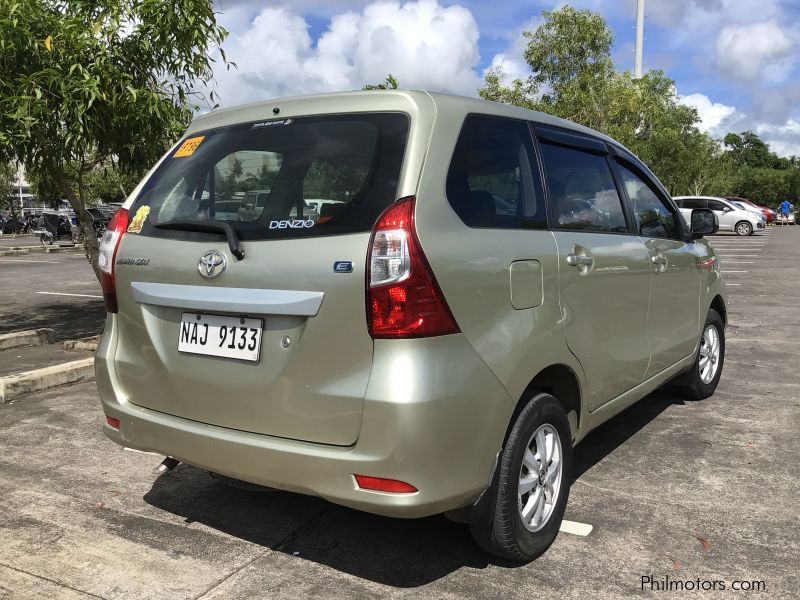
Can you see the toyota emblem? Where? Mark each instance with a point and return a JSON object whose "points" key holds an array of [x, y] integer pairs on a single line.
{"points": [[212, 264]]}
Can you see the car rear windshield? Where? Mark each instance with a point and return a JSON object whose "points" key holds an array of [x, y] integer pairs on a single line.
{"points": [[280, 178]]}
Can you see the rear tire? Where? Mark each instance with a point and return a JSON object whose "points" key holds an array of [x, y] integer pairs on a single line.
{"points": [[540, 439], [743, 228], [699, 383]]}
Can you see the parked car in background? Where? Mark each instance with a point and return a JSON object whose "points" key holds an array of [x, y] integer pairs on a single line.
{"points": [[438, 342], [731, 217], [744, 206], [768, 213]]}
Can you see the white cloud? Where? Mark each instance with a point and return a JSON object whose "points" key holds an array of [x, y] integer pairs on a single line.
{"points": [[512, 60], [783, 139], [422, 43], [751, 51], [713, 115]]}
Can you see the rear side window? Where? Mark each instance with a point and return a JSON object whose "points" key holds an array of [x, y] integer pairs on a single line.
{"points": [[694, 203], [582, 191], [491, 182], [300, 177], [653, 218]]}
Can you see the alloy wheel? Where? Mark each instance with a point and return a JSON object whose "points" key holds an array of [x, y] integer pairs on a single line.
{"points": [[540, 477]]}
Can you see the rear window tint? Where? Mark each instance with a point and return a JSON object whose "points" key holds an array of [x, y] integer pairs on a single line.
{"points": [[281, 178], [491, 181]]}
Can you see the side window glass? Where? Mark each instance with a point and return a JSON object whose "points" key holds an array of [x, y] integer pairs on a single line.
{"points": [[653, 218], [694, 203], [490, 182], [717, 205], [582, 190]]}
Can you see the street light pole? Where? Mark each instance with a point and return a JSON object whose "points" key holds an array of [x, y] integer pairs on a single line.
{"points": [[637, 62]]}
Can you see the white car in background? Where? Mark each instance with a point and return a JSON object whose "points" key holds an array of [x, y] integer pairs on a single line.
{"points": [[731, 217], [747, 207]]}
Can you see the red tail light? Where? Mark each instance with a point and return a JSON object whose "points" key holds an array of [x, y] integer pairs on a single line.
{"points": [[379, 484], [108, 252], [403, 298], [112, 422]]}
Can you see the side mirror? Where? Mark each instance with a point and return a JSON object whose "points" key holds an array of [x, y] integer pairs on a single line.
{"points": [[704, 222]]}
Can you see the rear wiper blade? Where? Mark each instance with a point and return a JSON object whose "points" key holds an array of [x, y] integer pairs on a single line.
{"points": [[209, 227]]}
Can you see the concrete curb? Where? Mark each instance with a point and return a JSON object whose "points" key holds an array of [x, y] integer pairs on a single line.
{"points": [[31, 337], [87, 343], [19, 384], [22, 250]]}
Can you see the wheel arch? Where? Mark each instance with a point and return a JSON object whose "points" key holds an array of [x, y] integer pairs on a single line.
{"points": [[561, 382]]}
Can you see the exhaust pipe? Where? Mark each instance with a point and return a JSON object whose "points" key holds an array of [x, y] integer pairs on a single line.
{"points": [[168, 464]]}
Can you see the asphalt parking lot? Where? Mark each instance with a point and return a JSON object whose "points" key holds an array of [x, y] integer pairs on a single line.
{"points": [[687, 490], [49, 290]]}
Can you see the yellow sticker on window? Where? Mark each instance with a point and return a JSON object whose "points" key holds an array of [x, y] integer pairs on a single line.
{"points": [[189, 146], [138, 219]]}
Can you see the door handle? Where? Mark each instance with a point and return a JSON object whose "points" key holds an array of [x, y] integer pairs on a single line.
{"points": [[576, 260]]}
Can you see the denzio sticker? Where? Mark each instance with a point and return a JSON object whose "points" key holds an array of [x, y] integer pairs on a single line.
{"points": [[292, 224]]}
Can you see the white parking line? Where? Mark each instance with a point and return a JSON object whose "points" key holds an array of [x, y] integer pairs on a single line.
{"points": [[726, 283], [575, 528], [66, 294], [739, 255], [22, 260], [739, 262], [734, 271]]}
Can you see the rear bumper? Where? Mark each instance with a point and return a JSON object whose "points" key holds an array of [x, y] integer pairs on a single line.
{"points": [[434, 416]]}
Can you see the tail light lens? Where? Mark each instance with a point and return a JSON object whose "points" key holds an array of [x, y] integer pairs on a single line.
{"points": [[108, 252], [403, 298]]}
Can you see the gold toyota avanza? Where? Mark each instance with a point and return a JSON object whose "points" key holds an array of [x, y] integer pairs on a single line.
{"points": [[404, 302]]}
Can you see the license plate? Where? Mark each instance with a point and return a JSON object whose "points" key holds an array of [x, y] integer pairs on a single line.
{"points": [[213, 335]]}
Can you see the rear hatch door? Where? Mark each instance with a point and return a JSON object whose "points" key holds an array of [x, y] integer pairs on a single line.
{"points": [[275, 342]]}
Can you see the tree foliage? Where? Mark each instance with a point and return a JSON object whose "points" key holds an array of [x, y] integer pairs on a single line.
{"points": [[87, 82], [573, 77], [390, 83], [7, 176]]}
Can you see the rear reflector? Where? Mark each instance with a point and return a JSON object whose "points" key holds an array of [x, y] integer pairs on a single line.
{"points": [[112, 422], [384, 485]]}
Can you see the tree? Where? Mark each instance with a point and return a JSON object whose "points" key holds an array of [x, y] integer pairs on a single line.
{"points": [[7, 176], [390, 83], [747, 149], [87, 82], [108, 183], [573, 77]]}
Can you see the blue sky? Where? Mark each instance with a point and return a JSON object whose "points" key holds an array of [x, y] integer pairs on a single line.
{"points": [[736, 61]]}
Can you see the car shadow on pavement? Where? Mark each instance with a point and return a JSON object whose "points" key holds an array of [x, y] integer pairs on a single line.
{"points": [[67, 320], [403, 553], [613, 433]]}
